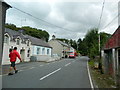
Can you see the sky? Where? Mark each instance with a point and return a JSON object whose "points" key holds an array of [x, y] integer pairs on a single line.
{"points": [[70, 19]]}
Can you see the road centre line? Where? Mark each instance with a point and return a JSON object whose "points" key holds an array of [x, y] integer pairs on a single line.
{"points": [[41, 65], [20, 70], [67, 64], [31, 67], [50, 74]]}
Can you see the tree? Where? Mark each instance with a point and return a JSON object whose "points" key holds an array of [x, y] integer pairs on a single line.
{"points": [[91, 40], [103, 38], [11, 26], [90, 43], [38, 33]]}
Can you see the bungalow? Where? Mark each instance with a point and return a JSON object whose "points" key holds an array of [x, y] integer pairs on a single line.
{"points": [[111, 56], [27, 46], [59, 48], [39, 47]]}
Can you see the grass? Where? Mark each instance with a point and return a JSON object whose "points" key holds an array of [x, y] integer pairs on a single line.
{"points": [[101, 80]]}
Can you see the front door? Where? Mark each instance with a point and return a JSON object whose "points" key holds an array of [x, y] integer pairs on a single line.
{"points": [[22, 53]]}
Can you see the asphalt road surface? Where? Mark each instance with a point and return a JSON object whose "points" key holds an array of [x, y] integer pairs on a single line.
{"points": [[66, 73]]}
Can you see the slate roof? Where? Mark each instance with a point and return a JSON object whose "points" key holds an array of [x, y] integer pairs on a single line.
{"points": [[62, 43], [35, 41], [14, 34]]}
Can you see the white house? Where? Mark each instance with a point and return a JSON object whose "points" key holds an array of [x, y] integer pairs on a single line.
{"points": [[39, 47], [27, 46], [16, 39]]}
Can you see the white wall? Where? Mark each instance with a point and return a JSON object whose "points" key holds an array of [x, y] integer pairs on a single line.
{"points": [[6, 60], [34, 50]]}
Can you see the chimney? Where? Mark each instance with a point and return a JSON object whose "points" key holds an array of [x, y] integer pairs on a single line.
{"points": [[53, 37]]}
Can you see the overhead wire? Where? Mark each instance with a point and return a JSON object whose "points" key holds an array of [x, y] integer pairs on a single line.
{"points": [[41, 19], [111, 21]]}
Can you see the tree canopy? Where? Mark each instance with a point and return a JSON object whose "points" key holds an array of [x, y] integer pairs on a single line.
{"points": [[38, 33], [90, 43]]}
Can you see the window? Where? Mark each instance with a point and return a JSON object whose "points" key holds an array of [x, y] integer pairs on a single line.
{"points": [[6, 39], [18, 41], [28, 53], [48, 51], [43, 51], [38, 50], [28, 43]]}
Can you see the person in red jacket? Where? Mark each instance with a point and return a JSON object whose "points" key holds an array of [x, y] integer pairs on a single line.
{"points": [[13, 56]]}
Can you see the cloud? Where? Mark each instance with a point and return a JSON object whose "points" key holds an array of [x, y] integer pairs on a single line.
{"points": [[76, 17]]}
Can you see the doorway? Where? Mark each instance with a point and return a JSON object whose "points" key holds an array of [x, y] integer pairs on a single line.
{"points": [[22, 53]]}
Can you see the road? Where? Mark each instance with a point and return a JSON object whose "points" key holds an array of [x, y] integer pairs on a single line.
{"points": [[66, 73]]}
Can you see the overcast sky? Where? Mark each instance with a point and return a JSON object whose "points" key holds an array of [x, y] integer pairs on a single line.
{"points": [[76, 16]]}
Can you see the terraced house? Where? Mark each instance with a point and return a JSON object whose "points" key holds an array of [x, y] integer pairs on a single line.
{"points": [[27, 46]]}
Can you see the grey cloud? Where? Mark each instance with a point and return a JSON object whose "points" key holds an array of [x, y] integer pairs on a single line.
{"points": [[76, 16]]}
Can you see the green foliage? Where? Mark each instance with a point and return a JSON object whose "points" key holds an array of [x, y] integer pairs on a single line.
{"points": [[90, 44], [103, 38], [11, 26], [38, 33]]}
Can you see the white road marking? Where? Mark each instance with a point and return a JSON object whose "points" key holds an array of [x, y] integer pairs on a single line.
{"points": [[24, 67], [50, 74], [20, 70], [90, 77], [67, 64], [31, 67], [41, 65]]}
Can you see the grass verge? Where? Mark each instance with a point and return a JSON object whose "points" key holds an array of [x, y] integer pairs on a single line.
{"points": [[100, 80]]}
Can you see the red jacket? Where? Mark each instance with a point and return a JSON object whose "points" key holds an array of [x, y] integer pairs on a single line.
{"points": [[13, 56]]}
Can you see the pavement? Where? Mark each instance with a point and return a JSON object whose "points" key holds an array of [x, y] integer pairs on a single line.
{"points": [[65, 73]]}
